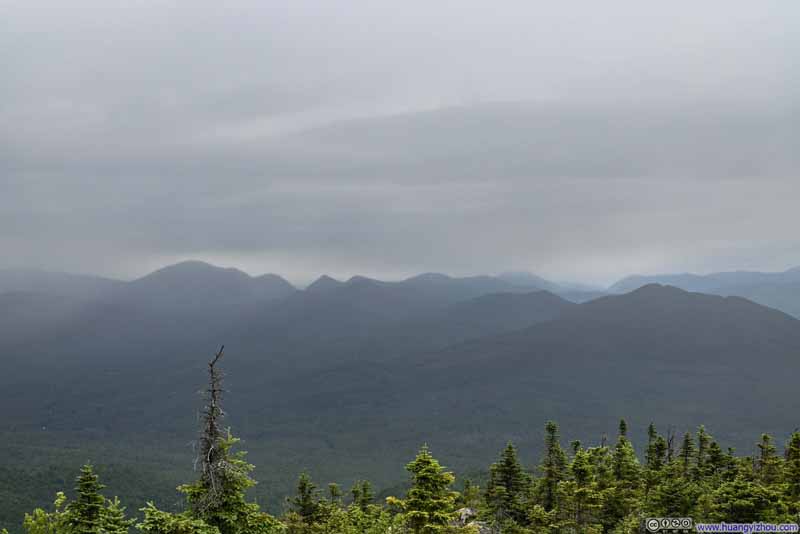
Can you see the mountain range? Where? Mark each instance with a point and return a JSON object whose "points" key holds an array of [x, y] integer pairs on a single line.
{"points": [[778, 290], [348, 378]]}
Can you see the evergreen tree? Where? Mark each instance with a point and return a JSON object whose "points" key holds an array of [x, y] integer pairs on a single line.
{"points": [[730, 463], [508, 488], [791, 469], [114, 521], [89, 512], [231, 514], [362, 494], [429, 504], [305, 503], [744, 501], [601, 490], [85, 513], [228, 510], [159, 522], [653, 459], [623, 428], [768, 465], [621, 499], [217, 498], [470, 495], [686, 455], [624, 462], [675, 495], [602, 466], [701, 458], [553, 467], [580, 500], [334, 493], [42, 522], [717, 460]]}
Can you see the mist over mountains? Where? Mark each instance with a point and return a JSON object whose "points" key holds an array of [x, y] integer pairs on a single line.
{"points": [[408, 223], [349, 377], [778, 290]]}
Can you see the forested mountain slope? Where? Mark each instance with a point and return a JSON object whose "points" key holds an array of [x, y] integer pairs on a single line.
{"points": [[348, 379], [780, 290]]}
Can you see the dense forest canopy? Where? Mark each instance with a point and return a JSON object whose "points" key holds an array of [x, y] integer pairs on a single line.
{"points": [[449, 246], [345, 379], [607, 488]]}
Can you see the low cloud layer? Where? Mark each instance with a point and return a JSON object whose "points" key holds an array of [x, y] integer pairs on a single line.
{"points": [[391, 138]]}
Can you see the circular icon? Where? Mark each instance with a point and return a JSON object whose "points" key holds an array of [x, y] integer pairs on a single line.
{"points": [[686, 522], [653, 525]]}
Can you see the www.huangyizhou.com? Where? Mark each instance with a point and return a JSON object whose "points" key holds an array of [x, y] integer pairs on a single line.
{"points": [[747, 528]]}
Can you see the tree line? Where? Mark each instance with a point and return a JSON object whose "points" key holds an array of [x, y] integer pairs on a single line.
{"points": [[580, 490]]}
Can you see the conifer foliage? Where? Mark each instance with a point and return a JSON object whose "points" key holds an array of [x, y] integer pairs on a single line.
{"points": [[602, 489], [86, 511], [89, 513], [306, 502], [553, 467], [508, 489], [216, 501], [430, 502]]}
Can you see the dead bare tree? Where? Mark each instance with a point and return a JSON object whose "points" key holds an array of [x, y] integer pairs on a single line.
{"points": [[670, 443], [210, 455]]}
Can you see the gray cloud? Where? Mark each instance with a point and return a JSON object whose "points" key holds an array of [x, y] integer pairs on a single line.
{"points": [[392, 138]]}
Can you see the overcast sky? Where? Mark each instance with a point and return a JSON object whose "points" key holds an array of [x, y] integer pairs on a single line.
{"points": [[577, 140]]}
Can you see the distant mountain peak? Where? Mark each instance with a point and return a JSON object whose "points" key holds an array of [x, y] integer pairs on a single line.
{"points": [[197, 281], [526, 279], [428, 277], [191, 271], [189, 264], [324, 283], [194, 266], [275, 281], [658, 289]]}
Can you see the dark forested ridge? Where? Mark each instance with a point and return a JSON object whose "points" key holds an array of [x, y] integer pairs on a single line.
{"points": [[347, 379], [582, 489], [777, 290]]}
